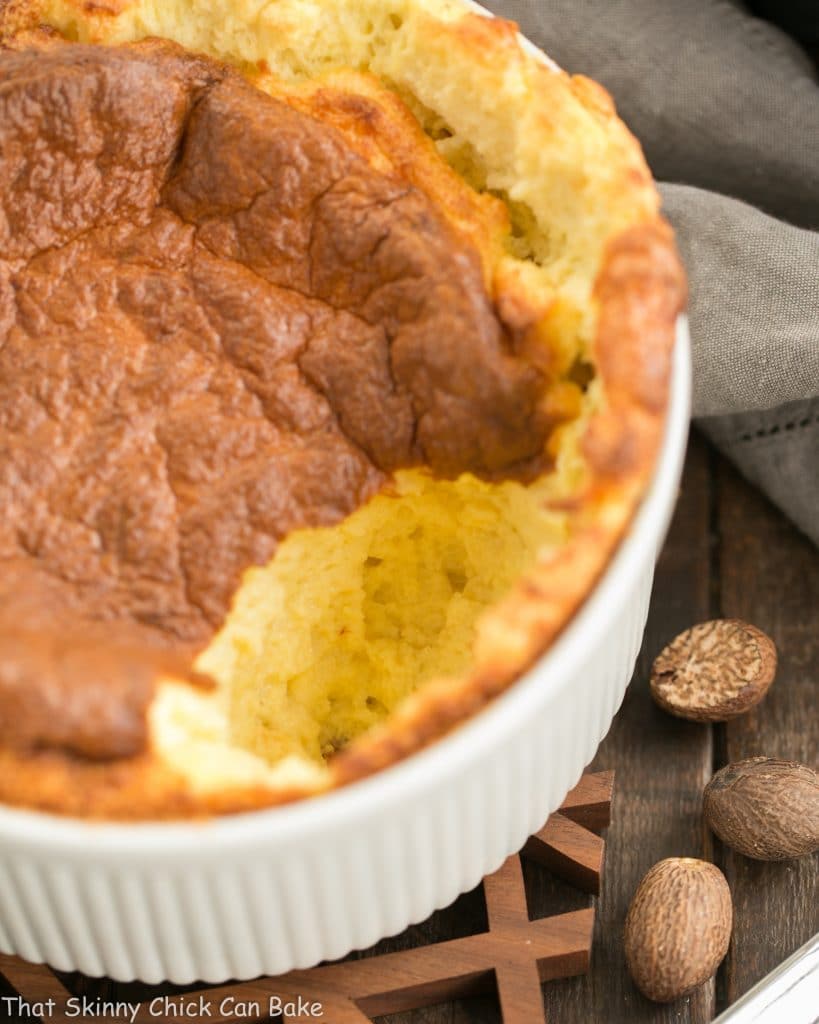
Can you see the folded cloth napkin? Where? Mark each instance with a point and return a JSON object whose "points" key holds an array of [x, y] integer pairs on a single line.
{"points": [[727, 109]]}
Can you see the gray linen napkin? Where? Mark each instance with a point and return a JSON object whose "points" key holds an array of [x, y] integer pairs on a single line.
{"points": [[727, 109]]}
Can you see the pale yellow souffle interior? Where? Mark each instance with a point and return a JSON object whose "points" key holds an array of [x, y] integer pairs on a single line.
{"points": [[346, 622]]}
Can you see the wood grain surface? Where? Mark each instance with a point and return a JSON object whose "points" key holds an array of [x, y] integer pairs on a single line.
{"points": [[768, 573], [729, 553]]}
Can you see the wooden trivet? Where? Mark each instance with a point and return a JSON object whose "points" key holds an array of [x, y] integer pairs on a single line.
{"points": [[517, 954]]}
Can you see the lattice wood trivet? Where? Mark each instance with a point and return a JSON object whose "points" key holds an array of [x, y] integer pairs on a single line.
{"points": [[516, 953]]}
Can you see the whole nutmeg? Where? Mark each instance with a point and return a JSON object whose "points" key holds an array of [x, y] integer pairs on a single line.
{"points": [[714, 671], [765, 808], [678, 927]]}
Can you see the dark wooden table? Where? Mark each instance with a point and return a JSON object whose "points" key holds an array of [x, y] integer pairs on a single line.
{"points": [[729, 553]]}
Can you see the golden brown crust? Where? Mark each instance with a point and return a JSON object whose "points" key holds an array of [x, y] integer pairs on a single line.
{"points": [[520, 629], [131, 789], [638, 294], [378, 349], [43, 673]]}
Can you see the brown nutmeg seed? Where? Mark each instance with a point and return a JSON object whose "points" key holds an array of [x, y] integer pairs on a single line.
{"points": [[678, 927], [714, 671], [765, 808]]}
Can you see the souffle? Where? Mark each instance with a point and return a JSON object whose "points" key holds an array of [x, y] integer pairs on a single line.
{"points": [[335, 342]]}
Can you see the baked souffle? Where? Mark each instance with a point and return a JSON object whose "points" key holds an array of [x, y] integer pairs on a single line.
{"points": [[335, 346]]}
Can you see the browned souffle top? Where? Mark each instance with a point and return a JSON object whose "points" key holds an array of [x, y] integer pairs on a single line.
{"points": [[217, 323]]}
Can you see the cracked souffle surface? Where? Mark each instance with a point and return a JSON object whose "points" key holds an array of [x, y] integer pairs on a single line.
{"points": [[332, 368], [219, 325]]}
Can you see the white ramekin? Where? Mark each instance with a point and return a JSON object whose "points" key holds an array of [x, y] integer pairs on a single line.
{"points": [[265, 892]]}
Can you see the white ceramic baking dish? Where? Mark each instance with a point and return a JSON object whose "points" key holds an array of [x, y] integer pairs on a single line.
{"points": [[269, 891], [265, 892]]}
